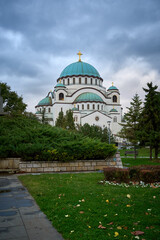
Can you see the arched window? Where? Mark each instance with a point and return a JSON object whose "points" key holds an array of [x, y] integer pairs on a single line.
{"points": [[79, 80], [98, 107], [91, 80], [85, 80], [96, 81], [114, 98], [68, 81], [63, 82], [78, 107], [40, 110], [75, 118], [102, 107], [87, 106], [93, 106], [115, 119], [73, 80], [82, 106], [49, 110], [61, 96]]}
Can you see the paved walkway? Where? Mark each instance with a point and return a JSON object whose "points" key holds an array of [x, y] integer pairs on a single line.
{"points": [[20, 217]]}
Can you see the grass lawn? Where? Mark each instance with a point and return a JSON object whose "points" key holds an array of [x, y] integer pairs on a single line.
{"points": [[77, 204], [129, 162]]}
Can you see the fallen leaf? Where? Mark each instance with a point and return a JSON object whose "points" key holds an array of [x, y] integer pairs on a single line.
{"points": [[72, 231], [107, 201], [101, 227], [137, 233], [147, 213], [147, 227], [116, 234], [119, 227], [125, 228], [66, 215], [81, 212], [154, 197], [128, 205], [78, 205], [136, 237], [83, 200], [105, 215], [110, 223], [89, 226], [128, 196]]}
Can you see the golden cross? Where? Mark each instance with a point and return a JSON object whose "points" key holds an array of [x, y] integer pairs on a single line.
{"points": [[60, 80], [112, 83], [79, 56]]}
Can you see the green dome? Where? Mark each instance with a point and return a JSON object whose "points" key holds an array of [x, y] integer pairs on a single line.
{"points": [[112, 88], [60, 85], [113, 110], [79, 68], [88, 97], [45, 101]]}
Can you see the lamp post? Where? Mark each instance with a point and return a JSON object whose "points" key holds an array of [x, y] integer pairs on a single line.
{"points": [[109, 123]]}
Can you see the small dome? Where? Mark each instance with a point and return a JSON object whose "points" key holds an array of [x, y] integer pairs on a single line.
{"points": [[112, 88], [88, 97], [113, 110], [74, 109], [45, 101], [60, 85], [80, 68], [38, 112]]}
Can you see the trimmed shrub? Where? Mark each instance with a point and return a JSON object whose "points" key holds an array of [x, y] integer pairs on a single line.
{"points": [[31, 140], [116, 174], [149, 175]]}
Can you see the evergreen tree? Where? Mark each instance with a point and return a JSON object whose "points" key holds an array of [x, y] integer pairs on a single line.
{"points": [[60, 122], [132, 118], [12, 103], [96, 132], [69, 121], [150, 119]]}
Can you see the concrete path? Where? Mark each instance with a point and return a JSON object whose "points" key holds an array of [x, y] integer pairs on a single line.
{"points": [[20, 217]]}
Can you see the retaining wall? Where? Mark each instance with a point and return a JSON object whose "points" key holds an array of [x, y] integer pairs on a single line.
{"points": [[79, 165]]}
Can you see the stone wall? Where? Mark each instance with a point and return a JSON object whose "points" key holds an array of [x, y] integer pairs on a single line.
{"points": [[75, 166], [9, 163]]}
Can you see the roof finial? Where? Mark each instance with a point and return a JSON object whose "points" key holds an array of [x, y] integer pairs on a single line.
{"points": [[79, 53], [74, 105], [60, 80], [112, 83]]}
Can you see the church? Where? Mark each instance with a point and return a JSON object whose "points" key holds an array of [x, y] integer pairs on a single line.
{"points": [[80, 88]]}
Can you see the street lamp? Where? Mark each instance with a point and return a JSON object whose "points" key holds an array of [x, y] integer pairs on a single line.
{"points": [[109, 123]]}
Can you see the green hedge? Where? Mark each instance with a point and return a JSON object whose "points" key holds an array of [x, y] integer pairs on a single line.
{"points": [[146, 174], [31, 140]]}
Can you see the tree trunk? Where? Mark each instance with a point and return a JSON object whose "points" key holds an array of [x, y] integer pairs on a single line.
{"points": [[135, 152], [156, 152], [151, 153]]}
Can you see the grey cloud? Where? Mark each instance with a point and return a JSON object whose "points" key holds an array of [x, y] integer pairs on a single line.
{"points": [[107, 32]]}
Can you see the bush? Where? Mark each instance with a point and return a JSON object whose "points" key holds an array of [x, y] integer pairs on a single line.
{"points": [[116, 174], [149, 174], [24, 137]]}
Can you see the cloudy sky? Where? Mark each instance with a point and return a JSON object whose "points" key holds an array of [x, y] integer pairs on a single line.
{"points": [[39, 38]]}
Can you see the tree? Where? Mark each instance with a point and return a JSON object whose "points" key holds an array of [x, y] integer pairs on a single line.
{"points": [[96, 132], [12, 103], [150, 119], [60, 122], [132, 118], [69, 121]]}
